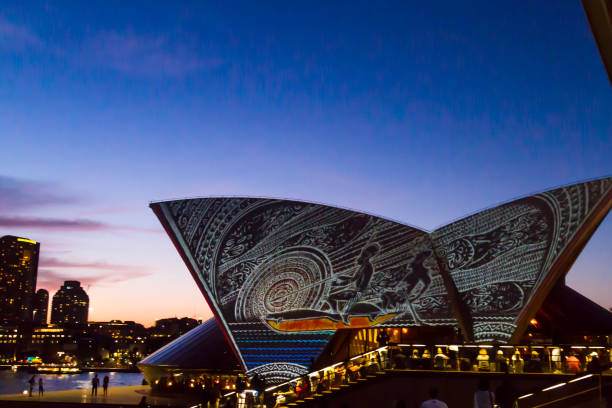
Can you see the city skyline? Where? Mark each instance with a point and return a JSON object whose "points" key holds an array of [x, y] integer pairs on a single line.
{"points": [[416, 114]]}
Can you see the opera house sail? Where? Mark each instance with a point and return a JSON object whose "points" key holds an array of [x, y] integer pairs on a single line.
{"points": [[283, 276]]}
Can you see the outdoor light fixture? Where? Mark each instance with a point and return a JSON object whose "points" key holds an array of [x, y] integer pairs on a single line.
{"points": [[581, 378], [553, 387]]}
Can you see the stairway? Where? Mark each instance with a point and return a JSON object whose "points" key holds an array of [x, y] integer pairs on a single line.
{"points": [[582, 392], [334, 391]]}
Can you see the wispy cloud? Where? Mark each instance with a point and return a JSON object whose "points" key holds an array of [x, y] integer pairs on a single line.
{"points": [[60, 224], [16, 37], [53, 271], [53, 262], [51, 278], [17, 194], [52, 224], [125, 52], [146, 55]]}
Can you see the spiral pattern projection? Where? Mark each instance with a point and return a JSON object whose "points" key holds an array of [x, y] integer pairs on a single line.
{"points": [[294, 279]]}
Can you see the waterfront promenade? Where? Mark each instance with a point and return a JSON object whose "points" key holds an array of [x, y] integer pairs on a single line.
{"points": [[117, 397]]}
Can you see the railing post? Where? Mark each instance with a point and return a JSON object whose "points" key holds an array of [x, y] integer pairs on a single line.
{"points": [[600, 392]]}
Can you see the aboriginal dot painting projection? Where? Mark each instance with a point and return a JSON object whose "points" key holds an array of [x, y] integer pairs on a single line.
{"points": [[282, 276]]}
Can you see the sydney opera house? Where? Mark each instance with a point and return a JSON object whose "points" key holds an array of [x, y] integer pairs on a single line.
{"points": [[295, 285]]}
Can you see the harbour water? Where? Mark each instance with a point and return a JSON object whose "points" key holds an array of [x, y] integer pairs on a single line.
{"points": [[17, 382]]}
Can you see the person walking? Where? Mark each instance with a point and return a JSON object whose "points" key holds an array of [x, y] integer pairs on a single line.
{"points": [[484, 398], [41, 389], [31, 381], [105, 385], [433, 401], [506, 394], [95, 381]]}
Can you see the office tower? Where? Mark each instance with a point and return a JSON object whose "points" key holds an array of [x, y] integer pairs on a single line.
{"points": [[40, 306], [18, 269], [70, 305]]}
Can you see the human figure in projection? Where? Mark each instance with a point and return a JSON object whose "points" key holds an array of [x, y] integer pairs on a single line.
{"points": [[416, 273], [350, 288]]}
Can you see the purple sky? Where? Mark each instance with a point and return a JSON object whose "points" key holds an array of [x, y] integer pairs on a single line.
{"points": [[421, 114]]}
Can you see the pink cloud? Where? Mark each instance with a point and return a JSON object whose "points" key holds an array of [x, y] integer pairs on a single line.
{"points": [[59, 224], [20, 194], [52, 224], [46, 262], [52, 279]]}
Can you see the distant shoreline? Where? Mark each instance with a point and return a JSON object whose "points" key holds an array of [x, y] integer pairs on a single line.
{"points": [[82, 369]]}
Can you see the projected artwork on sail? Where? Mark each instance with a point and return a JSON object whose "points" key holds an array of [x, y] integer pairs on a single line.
{"points": [[282, 276]]}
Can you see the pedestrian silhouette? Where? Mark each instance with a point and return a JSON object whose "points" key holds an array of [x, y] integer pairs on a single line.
{"points": [[31, 381], [105, 385], [94, 385]]}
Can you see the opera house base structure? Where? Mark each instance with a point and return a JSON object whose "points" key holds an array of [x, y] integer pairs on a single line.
{"points": [[296, 287]]}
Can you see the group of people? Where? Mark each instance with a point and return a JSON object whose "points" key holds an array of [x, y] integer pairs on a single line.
{"points": [[208, 388], [518, 360], [95, 382], [32, 383], [485, 359], [504, 397]]}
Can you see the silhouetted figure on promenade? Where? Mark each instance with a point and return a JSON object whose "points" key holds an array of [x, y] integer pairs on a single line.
{"points": [[506, 394], [31, 381], [593, 365], [382, 338], [41, 389], [143, 403], [258, 384], [95, 381], [433, 401], [398, 403], [105, 385], [399, 359], [484, 398]]}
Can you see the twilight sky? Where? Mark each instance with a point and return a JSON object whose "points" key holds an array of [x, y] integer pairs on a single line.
{"points": [[419, 113]]}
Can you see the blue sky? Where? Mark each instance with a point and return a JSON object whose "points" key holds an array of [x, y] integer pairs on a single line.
{"points": [[420, 113]]}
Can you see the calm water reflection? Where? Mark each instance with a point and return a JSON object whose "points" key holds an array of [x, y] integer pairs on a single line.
{"points": [[16, 382]]}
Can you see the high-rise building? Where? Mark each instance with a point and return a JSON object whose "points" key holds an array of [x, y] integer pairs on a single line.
{"points": [[40, 306], [18, 269], [70, 305]]}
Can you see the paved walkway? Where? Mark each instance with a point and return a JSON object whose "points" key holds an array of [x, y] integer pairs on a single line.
{"points": [[118, 396]]}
